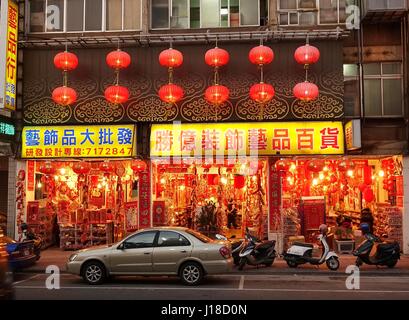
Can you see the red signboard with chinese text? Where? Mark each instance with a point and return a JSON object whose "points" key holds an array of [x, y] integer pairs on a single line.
{"points": [[159, 213], [30, 175], [275, 198], [145, 199]]}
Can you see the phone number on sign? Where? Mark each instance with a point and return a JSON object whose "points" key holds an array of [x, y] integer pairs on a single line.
{"points": [[107, 151]]}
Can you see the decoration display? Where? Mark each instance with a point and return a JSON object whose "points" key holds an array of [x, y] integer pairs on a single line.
{"points": [[115, 93], [65, 95], [118, 59], [171, 93]]}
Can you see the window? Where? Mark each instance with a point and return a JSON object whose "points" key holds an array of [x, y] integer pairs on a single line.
{"points": [[184, 14], [141, 240], [383, 89], [172, 239], [199, 236], [351, 91], [84, 15], [332, 11]]}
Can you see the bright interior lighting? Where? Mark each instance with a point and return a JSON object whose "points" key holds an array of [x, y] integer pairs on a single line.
{"points": [[381, 173], [62, 171], [39, 185]]}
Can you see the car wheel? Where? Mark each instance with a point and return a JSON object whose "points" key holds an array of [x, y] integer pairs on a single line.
{"points": [[94, 273], [191, 274], [333, 264], [292, 264]]}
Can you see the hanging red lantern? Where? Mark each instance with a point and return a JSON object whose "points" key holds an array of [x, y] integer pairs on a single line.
{"points": [[362, 187], [306, 91], [333, 178], [138, 166], [106, 166], [217, 94], [261, 55], [217, 57], [81, 167], [262, 92], [117, 94], [171, 58], [307, 55], [66, 61], [282, 165], [64, 96], [118, 59], [367, 175], [315, 165], [47, 168], [368, 195], [171, 93], [239, 182]]}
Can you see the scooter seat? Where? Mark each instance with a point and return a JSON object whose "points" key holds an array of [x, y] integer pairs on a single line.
{"points": [[305, 245]]}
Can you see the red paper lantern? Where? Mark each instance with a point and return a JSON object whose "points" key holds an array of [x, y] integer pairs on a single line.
{"points": [[66, 61], [368, 195], [307, 55], [239, 182], [282, 165], [261, 55], [106, 166], [306, 91], [333, 178], [64, 96], [138, 166], [118, 59], [47, 168], [345, 165], [217, 94], [171, 93], [368, 175], [315, 165], [81, 167], [171, 58], [362, 187], [217, 57], [212, 179], [262, 92], [117, 94]]}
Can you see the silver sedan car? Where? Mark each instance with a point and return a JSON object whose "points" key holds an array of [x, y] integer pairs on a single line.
{"points": [[157, 251]]}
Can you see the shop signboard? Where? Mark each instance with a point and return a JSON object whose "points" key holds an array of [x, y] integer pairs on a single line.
{"points": [[8, 54], [353, 135], [145, 199], [247, 139], [114, 141], [7, 129]]}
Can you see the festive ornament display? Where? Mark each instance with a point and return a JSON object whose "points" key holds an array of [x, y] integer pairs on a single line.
{"points": [[307, 55], [138, 166], [171, 93], [171, 58], [64, 95], [106, 166], [81, 167], [118, 59], [66, 61], [116, 94], [217, 57], [262, 92], [47, 168], [306, 91], [217, 94], [261, 55]]}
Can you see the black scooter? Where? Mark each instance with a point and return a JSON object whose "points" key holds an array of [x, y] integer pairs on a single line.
{"points": [[387, 254], [255, 253], [236, 246]]}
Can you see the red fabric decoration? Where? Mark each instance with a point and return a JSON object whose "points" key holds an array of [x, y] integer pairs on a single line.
{"points": [[81, 167], [171, 58], [138, 166], [66, 61], [368, 195], [118, 59], [262, 92], [217, 94], [282, 165], [212, 179], [117, 94], [368, 175], [64, 96], [217, 57], [106, 166], [171, 93], [315, 165], [307, 55], [306, 91], [261, 55], [47, 168]]}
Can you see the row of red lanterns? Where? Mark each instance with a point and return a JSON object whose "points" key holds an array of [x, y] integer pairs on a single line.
{"points": [[170, 93]]}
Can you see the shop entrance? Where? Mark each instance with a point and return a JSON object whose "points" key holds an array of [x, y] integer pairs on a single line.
{"points": [[220, 196]]}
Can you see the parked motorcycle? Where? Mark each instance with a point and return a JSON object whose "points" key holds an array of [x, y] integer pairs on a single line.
{"points": [[301, 253], [386, 254], [28, 235], [236, 246], [256, 253]]}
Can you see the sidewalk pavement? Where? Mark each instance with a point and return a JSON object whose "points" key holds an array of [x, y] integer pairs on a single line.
{"points": [[58, 257]]}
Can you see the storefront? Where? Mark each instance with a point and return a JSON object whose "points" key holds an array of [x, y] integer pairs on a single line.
{"points": [[80, 184], [281, 180]]}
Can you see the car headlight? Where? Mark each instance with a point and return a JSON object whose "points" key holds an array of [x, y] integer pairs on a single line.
{"points": [[73, 257]]}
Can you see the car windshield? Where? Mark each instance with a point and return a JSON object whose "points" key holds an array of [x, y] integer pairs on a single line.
{"points": [[199, 236]]}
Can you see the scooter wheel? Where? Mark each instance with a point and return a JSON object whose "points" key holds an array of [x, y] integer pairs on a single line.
{"points": [[333, 264], [392, 264], [292, 264], [242, 263]]}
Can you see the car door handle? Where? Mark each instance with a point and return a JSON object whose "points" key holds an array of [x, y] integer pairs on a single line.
{"points": [[146, 253], [183, 251]]}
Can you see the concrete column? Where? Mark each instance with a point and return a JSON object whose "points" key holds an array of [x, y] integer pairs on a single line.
{"points": [[11, 200], [406, 205]]}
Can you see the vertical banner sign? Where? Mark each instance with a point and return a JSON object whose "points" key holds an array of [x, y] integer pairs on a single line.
{"points": [[145, 199], [159, 213], [131, 212], [30, 175], [8, 99], [275, 198]]}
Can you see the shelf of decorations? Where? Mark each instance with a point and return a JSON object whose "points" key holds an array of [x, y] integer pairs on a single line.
{"points": [[39, 220], [388, 222], [291, 224]]}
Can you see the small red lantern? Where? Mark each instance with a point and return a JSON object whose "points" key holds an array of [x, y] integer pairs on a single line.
{"points": [[368, 195], [47, 168], [171, 58], [81, 167], [118, 59], [66, 61], [171, 93], [262, 92], [307, 55], [261, 55], [217, 57], [217, 94], [138, 166], [315, 165], [64, 96], [106, 166], [239, 182], [117, 94], [306, 91], [282, 165]]}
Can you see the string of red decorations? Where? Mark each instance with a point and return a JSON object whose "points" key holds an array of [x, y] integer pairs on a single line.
{"points": [[170, 92], [117, 60], [217, 94], [306, 55], [65, 61], [261, 92]]}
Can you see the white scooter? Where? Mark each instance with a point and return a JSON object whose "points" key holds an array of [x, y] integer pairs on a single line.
{"points": [[301, 253]]}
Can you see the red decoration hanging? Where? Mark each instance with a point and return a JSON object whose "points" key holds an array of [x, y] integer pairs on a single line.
{"points": [[117, 94], [217, 94], [47, 168], [81, 167], [239, 182], [315, 165], [217, 57], [368, 175], [282, 165], [171, 58], [171, 93], [261, 55], [306, 91], [262, 92], [66, 61], [118, 59], [64, 96], [106, 166], [138, 166], [368, 195], [307, 55]]}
